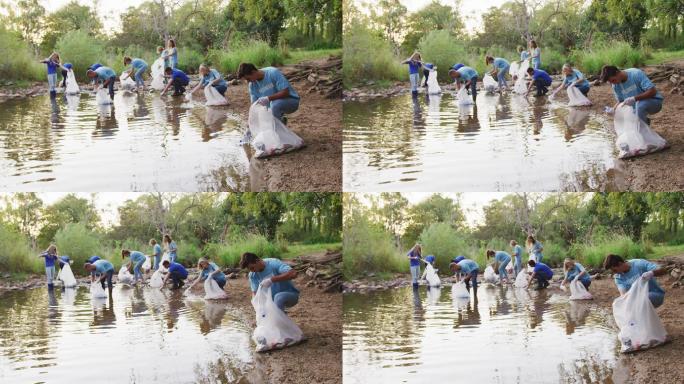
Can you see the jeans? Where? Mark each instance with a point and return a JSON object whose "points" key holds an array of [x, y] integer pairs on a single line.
{"points": [[52, 81], [415, 273], [473, 278], [656, 298], [157, 259], [473, 88], [541, 86], [286, 299], [221, 283], [584, 90], [517, 267], [586, 284], [414, 78], [108, 278], [64, 77], [110, 86], [282, 106], [536, 64], [179, 85], [172, 257], [138, 76], [501, 77], [221, 89], [502, 269], [648, 107], [542, 280], [177, 279], [50, 273], [538, 257], [136, 270]]}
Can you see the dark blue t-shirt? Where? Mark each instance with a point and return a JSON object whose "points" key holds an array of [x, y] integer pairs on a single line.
{"points": [[543, 269], [414, 262], [178, 268], [178, 74], [538, 73]]}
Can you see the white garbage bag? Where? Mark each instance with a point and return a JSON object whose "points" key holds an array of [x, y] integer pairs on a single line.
{"points": [[126, 82], [124, 276], [67, 276], [521, 279], [102, 97], [520, 85], [431, 276], [274, 328], [578, 292], [157, 280], [213, 96], [96, 290], [459, 290], [71, 84], [514, 69], [490, 276], [212, 291], [157, 72], [640, 326], [490, 85], [433, 84], [463, 97], [634, 137], [269, 136], [509, 268], [147, 264], [576, 98]]}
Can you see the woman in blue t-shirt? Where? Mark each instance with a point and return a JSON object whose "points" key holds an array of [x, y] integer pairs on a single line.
{"points": [[414, 256], [50, 256], [53, 63], [415, 63]]}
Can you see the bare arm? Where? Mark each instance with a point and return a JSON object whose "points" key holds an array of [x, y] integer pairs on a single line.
{"points": [[289, 275]]}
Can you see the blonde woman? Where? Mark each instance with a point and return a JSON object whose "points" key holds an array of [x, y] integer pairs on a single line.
{"points": [[53, 63], [575, 271], [415, 63], [534, 249], [210, 76], [414, 255], [50, 256]]}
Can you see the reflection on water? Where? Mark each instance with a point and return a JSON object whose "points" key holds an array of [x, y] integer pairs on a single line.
{"points": [[504, 142], [505, 335], [140, 335], [142, 142]]}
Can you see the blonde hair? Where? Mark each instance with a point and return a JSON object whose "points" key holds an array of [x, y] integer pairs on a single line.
{"points": [[418, 248], [52, 248], [568, 261], [203, 66], [416, 53]]}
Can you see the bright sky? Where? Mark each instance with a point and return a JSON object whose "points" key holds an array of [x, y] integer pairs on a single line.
{"points": [[108, 10]]}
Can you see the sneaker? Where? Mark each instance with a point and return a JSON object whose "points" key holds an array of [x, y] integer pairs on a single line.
{"points": [[284, 120]]}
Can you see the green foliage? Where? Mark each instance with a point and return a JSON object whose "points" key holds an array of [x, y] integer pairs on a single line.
{"points": [[369, 248], [552, 61], [189, 60], [16, 254], [368, 56], [617, 53], [81, 50], [229, 254], [442, 49], [16, 58], [442, 241], [76, 241], [256, 52], [593, 253], [70, 18]]}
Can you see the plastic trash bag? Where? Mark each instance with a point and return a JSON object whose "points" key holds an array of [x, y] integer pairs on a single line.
{"points": [[147, 264], [102, 97], [463, 97], [640, 326], [212, 291], [520, 85], [126, 82], [509, 268], [67, 276], [514, 69], [157, 280], [71, 84], [431, 276], [634, 137], [274, 328], [576, 98], [459, 290], [157, 72], [490, 276], [578, 292], [125, 277], [490, 85], [269, 136], [96, 290], [213, 96], [432, 84], [521, 279]]}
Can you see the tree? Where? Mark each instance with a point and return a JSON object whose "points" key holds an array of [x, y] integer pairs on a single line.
{"points": [[71, 17], [27, 17], [69, 209], [390, 16], [434, 209], [625, 211], [23, 211], [257, 18], [621, 17], [432, 17]]}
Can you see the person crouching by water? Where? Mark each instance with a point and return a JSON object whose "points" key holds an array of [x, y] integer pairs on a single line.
{"points": [[176, 272], [470, 269], [264, 273], [269, 87], [502, 259], [136, 261], [541, 272], [575, 271], [628, 271], [414, 256], [208, 269], [105, 269]]}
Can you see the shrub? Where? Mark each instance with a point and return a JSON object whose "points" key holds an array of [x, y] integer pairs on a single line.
{"points": [[189, 60], [229, 254], [443, 50], [369, 248], [593, 254], [368, 56], [82, 50], [256, 52], [442, 241], [76, 241], [618, 53], [552, 61], [15, 253], [16, 59]]}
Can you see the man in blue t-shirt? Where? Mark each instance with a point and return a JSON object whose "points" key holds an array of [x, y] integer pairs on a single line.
{"points": [[540, 79], [632, 87], [264, 273], [104, 75], [541, 272], [269, 87], [105, 269], [627, 272], [469, 268], [137, 68], [176, 272], [179, 80], [466, 75]]}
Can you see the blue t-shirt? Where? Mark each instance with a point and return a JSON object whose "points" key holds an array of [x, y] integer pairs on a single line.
{"points": [[102, 266], [524, 55], [273, 82], [457, 259], [93, 259], [637, 82], [468, 266], [574, 76], [540, 73], [500, 63], [157, 251], [272, 268], [219, 276], [178, 74], [138, 63], [517, 252], [49, 259], [211, 76], [537, 51], [502, 256], [414, 262], [173, 56], [428, 65], [414, 66], [105, 73], [51, 67], [543, 269], [467, 73], [178, 268], [574, 271], [137, 257], [637, 267]]}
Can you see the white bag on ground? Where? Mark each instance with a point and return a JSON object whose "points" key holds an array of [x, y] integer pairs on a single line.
{"points": [[640, 326], [157, 72], [463, 97], [520, 86], [459, 290], [269, 136], [147, 264], [431, 276], [126, 81], [490, 85], [96, 290], [212, 291], [274, 328], [521, 279], [125, 277], [578, 292], [157, 280], [102, 97], [490, 276], [71, 84], [432, 84], [576, 98], [634, 137], [213, 96], [67, 276]]}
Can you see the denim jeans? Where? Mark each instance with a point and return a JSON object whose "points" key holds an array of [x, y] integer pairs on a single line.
{"points": [[473, 88], [414, 78], [536, 64], [517, 267], [108, 278], [50, 274], [172, 257], [221, 89], [502, 269], [179, 85], [110, 86], [426, 75], [541, 86], [647, 107], [177, 279], [52, 81], [501, 76], [584, 89], [473, 279], [282, 106], [157, 259], [415, 273], [656, 298], [286, 299], [136, 270], [138, 76], [542, 280]]}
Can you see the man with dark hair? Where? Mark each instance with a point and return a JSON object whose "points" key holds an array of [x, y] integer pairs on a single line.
{"points": [[269, 87], [264, 273], [176, 272], [105, 269], [540, 79], [179, 80], [541, 272], [632, 87], [626, 273]]}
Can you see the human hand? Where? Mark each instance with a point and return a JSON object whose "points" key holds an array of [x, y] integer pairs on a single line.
{"points": [[629, 101], [265, 283], [647, 275], [263, 101]]}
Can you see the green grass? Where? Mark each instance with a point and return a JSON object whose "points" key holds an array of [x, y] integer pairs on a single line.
{"points": [[659, 57], [294, 250], [297, 56], [660, 251]]}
